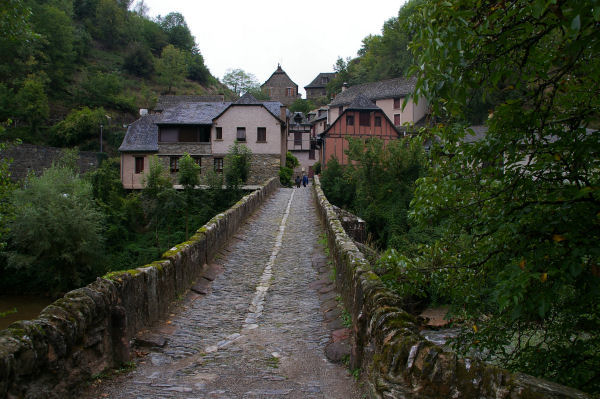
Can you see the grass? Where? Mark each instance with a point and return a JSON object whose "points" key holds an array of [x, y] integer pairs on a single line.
{"points": [[273, 362], [109, 373], [346, 318]]}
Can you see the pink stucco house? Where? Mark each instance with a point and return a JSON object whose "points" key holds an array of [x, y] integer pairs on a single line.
{"points": [[206, 130]]}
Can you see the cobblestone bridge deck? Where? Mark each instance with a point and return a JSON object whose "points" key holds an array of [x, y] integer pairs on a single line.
{"points": [[259, 330]]}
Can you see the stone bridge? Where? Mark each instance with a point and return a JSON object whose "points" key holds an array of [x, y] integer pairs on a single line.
{"points": [[261, 319]]}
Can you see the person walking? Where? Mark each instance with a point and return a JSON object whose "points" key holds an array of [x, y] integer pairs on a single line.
{"points": [[305, 180], [298, 181]]}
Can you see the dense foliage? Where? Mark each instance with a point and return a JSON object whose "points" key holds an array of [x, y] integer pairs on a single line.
{"points": [[68, 229], [286, 172], [237, 165], [59, 56], [519, 209], [56, 236], [378, 185], [382, 56]]}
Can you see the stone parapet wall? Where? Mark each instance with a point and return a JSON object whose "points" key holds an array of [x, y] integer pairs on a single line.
{"points": [[91, 328], [386, 345], [29, 158]]}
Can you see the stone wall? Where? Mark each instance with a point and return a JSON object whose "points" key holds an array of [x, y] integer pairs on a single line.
{"points": [[386, 345], [91, 328], [263, 167], [36, 158]]}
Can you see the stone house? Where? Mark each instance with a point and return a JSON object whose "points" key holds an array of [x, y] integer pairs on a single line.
{"points": [[359, 119], [389, 96], [318, 87], [279, 87], [206, 130]]}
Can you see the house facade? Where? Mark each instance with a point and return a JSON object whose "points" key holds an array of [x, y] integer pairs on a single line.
{"points": [[318, 87], [206, 130], [389, 95], [279, 87], [360, 119], [301, 143]]}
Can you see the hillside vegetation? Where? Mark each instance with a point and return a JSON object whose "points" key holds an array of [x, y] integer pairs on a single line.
{"points": [[68, 66]]}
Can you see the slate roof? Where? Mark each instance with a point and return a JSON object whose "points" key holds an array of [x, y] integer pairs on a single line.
{"points": [[317, 82], [247, 98], [169, 101], [192, 113], [142, 135], [398, 87], [279, 79], [362, 103]]}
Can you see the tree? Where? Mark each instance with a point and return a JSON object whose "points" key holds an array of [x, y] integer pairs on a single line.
{"points": [[139, 60], [197, 71], [171, 67], [189, 178], [302, 105], [177, 31], [33, 102], [157, 196], [239, 81], [56, 55], [79, 126], [519, 209], [6, 189], [111, 23], [237, 165], [56, 236]]}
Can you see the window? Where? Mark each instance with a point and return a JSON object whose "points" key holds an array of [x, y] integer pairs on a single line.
{"points": [[290, 92], [168, 135], [364, 119], [298, 138], [378, 121], [340, 109], [139, 165], [396, 102], [311, 152], [241, 134], [219, 133], [396, 119], [198, 160], [204, 134], [324, 80], [261, 134], [173, 164], [188, 134], [218, 162], [350, 120]]}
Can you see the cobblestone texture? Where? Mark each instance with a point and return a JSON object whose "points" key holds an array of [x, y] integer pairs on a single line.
{"points": [[259, 332]]}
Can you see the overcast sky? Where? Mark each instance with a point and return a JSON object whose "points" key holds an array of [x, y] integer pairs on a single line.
{"points": [[305, 36]]}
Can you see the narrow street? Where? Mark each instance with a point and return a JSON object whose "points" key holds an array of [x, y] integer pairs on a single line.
{"points": [[258, 332]]}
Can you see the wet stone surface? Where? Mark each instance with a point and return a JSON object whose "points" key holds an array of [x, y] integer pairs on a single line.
{"points": [[259, 331]]}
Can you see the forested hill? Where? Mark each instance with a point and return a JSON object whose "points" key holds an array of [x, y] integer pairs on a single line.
{"points": [[68, 66]]}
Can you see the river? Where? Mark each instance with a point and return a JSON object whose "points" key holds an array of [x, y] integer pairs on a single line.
{"points": [[27, 307]]}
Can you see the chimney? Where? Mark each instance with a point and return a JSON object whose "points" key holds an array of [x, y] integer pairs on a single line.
{"points": [[282, 113], [344, 87]]}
